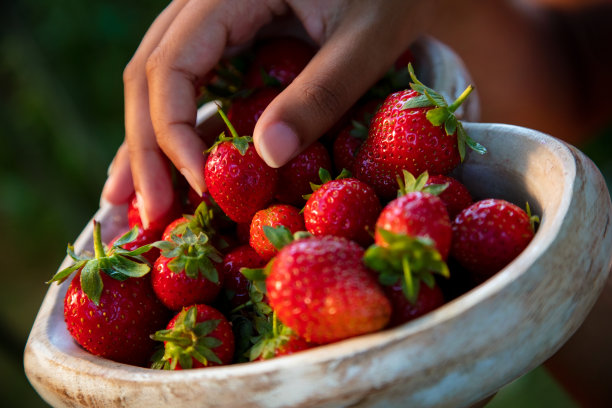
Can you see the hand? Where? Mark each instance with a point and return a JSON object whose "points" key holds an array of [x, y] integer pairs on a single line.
{"points": [[358, 41]]}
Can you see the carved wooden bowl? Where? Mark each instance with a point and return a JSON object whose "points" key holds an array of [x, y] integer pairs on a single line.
{"points": [[452, 357]]}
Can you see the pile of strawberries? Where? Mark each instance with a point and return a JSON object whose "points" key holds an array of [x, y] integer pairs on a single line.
{"points": [[364, 230]]}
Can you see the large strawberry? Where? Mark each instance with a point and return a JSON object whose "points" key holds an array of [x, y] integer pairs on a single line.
{"points": [[110, 308], [240, 182], [415, 130], [345, 207], [295, 177], [273, 216], [320, 288], [198, 336], [489, 234], [187, 271]]}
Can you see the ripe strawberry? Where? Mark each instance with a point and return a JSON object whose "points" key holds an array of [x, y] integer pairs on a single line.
{"points": [[279, 341], [156, 227], [295, 177], [196, 337], [278, 61], [455, 196], [489, 234], [235, 284], [244, 112], [142, 237], [320, 288], [273, 216], [428, 299], [413, 130], [343, 207], [240, 182], [110, 308], [187, 271]]}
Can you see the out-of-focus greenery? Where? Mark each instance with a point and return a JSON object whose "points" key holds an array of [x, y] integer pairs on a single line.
{"points": [[61, 119]]}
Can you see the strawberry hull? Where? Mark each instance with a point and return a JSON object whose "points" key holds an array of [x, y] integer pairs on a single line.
{"points": [[512, 322]]}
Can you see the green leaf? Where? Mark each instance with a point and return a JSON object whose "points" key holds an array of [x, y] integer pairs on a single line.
{"points": [[126, 238], [279, 236], [91, 281], [450, 125], [254, 274], [128, 267], [206, 327], [62, 275], [437, 116], [421, 101], [242, 143], [177, 264]]}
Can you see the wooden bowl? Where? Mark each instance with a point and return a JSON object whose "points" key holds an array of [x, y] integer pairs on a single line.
{"points": [[452, 357]]}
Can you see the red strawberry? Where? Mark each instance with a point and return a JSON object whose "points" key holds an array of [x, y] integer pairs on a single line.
{"points": [[320, 288], [235, 284], [245, 112], [198, 336], [455, 196], [412, 131], [240, 182], [110, 308], [295, 177], [489, 234], [428, 299], [342, 207], [273, 216], [141, 238], [278, 61], [156, 227], [187, 271]]}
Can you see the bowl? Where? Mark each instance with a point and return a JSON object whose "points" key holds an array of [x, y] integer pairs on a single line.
{"points": [[451, 357]]}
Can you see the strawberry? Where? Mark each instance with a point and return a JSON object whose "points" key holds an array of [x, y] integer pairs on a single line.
{"points": [[110, 308], [455, 196], [142, 237], [489, 234], [320, 288], [415, 130], [344, 207], [428, 299], [156, 226], [279, 341], [187, 271], [278, 61], [273, 216], [235, 284], [295, 177], [239, 181], [198, 336], [244, 112]]}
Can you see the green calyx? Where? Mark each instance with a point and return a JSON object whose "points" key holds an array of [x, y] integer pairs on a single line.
{"points": [[186, 341], [117, 262], [443, 114], [410, 184], [326, 177], [405, 259], [359, 130], [272, 335], [240, 142], [200, 221], [192, 254]]}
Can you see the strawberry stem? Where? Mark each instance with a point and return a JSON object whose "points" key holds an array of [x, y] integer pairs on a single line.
{"points": [[227, 122], [455, 105], [97, 241]]}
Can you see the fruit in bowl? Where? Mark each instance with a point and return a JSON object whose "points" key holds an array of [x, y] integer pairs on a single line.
{"points": [[511, 322]]}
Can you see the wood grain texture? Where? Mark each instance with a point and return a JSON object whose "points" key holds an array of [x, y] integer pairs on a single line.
{"points": [[452, 357]]}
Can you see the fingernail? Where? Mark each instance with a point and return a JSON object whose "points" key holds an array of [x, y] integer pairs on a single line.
{"points": [[278, 145], [191, 180], [141, 210]]}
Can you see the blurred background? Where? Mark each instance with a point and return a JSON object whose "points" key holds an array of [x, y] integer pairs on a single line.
{"points": [[61, 118]]}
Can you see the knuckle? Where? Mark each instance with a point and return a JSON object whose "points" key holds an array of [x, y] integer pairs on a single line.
{"points": [[323, 99]]}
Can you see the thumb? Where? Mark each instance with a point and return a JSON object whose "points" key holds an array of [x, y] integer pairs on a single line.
{"points": [[350, 62]]}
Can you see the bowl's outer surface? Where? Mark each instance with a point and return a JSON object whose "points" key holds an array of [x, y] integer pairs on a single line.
{"points": [[452, 357]]}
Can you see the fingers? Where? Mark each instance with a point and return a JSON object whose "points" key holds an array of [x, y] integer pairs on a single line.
{"points": [[119, 187], [357, 54], [149, 167]]}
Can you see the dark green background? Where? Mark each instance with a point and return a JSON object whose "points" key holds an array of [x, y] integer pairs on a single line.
{"points": [[61, 121]]}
